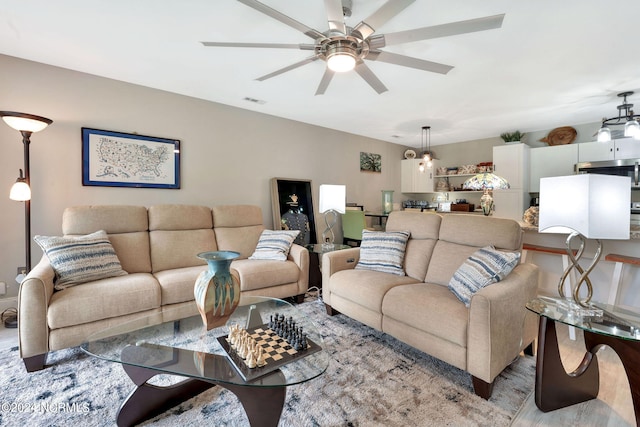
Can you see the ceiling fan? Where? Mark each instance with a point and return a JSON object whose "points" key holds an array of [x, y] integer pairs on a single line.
{"points": [[344, 48]]}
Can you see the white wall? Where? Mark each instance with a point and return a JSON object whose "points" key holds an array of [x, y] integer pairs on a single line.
{"points": [[228, 154]]}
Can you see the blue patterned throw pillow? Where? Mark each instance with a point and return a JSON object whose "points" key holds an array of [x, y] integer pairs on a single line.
{"points": [[82, 259], [274, 245], [486, 266], [383, 251]]}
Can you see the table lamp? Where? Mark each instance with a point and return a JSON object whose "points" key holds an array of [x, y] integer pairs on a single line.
{"points": [[585, 206], [332, 201], [487, 182]]}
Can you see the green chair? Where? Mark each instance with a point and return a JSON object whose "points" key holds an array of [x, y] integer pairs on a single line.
{"points": [[353, 222]]}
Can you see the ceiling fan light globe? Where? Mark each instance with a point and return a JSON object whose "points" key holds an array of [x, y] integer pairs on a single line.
{"points": [[341, 62]]}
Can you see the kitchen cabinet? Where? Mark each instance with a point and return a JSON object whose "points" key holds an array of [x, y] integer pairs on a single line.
{"points": [[511, 162], [625, 148], [414, 181], [557, 160]]}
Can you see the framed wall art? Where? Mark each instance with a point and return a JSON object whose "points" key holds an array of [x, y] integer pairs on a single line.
{"points": [[292, 206], [370, 162], [116, 159]]}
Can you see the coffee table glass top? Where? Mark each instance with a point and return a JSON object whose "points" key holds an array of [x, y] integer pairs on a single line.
{"points": [[175, 341], [616, 321]]}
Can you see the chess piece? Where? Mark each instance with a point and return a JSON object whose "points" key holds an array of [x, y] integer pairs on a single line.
{"points": [[251, 360], [260, 359]]}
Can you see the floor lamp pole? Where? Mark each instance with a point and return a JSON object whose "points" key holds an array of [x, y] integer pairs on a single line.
{"points": [[26, 135]]}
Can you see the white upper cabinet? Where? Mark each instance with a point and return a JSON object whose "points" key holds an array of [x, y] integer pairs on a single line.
{"points": [[626, 148], [557, 160], [511, 162], [414, 181]]}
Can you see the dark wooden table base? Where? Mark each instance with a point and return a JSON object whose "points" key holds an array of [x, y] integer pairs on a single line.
{"points": [[263, 405], [556, 388]]}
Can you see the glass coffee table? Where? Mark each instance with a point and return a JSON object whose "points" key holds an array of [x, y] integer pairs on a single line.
{"points": [[617, 328], [175, 342]]}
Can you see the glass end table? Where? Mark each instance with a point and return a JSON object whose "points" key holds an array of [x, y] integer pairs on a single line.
{"points": [[174, 341], [617, 328]]}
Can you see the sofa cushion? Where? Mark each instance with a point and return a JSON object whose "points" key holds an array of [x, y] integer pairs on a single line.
{"points": [[383, 251], [81, 259], [430, 308], [424, 229], [484, 267], [237, 228], [176, 285], [180, 248], [257, 274], [366, 287], [274, 245], [128, 294]]}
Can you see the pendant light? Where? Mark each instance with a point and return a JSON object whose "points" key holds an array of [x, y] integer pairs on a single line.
{"points": [[427, 159], [625, 117]]}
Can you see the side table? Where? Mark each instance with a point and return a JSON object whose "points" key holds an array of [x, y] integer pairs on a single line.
{"points": [[315, 258], [617, 328]]}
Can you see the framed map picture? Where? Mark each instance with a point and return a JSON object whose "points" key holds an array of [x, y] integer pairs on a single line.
{"points": [[115, 159]]}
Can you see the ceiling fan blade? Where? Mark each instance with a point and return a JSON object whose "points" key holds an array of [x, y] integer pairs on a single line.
{"points": [[407, 61], [261, 45], [314, 34], [377, 19], [444, 30], [324, 83], [366, 73], [335, 16], [289, 68]]}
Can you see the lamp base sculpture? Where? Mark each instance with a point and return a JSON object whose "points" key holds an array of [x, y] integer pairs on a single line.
{"points": [[217, 291], [583, 278]]}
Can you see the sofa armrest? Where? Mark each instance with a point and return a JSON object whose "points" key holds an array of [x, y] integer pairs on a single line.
{"points": [[300, 256], [332, 262], [500, 325], [33, 301]]}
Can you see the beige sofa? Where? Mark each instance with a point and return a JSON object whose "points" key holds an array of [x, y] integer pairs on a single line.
{"points": [[157, 247], [420, 310]]}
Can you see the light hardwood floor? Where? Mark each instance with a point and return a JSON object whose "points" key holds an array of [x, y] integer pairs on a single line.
{"points": [[612, 408]]}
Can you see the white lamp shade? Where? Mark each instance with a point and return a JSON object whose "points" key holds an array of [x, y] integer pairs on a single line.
{"points": [[596, 206], [20, 191], [333, 197], [26, 123]]}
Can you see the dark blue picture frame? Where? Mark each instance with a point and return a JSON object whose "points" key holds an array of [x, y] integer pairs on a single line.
{"points": [[116, 159]]}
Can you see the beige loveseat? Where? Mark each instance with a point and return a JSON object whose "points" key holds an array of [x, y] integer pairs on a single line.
{"points": [[157, 247], [419, 308]]}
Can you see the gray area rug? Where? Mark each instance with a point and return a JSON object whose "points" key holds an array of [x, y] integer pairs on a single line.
{"points": [[372, 380]]}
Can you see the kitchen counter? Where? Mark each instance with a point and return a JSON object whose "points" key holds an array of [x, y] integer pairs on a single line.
{"points": [[634, 229]]}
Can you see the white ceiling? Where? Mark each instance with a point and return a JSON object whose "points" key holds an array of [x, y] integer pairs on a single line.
{"points": [[553, 63]]}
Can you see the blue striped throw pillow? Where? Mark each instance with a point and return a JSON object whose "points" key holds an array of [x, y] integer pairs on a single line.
{"points": [[274, 245], [383, 251], [486, 266], [82, 259]]}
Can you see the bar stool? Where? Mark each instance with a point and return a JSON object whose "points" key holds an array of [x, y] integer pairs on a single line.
{"points": [[616, 279], [568, 285]]}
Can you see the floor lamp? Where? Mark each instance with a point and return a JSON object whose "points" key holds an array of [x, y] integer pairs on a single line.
{"points": [[26, 124]]}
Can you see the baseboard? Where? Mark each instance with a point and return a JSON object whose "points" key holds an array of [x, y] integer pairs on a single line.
{"points": [[8, 303]]}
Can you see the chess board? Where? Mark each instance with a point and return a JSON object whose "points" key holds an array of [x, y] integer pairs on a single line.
{"points": [[276, 350]]}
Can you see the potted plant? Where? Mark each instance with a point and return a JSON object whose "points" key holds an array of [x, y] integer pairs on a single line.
{"points": [[510, 137]]}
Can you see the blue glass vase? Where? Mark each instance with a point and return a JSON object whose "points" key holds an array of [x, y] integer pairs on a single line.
{"points": [[217, 291]]}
